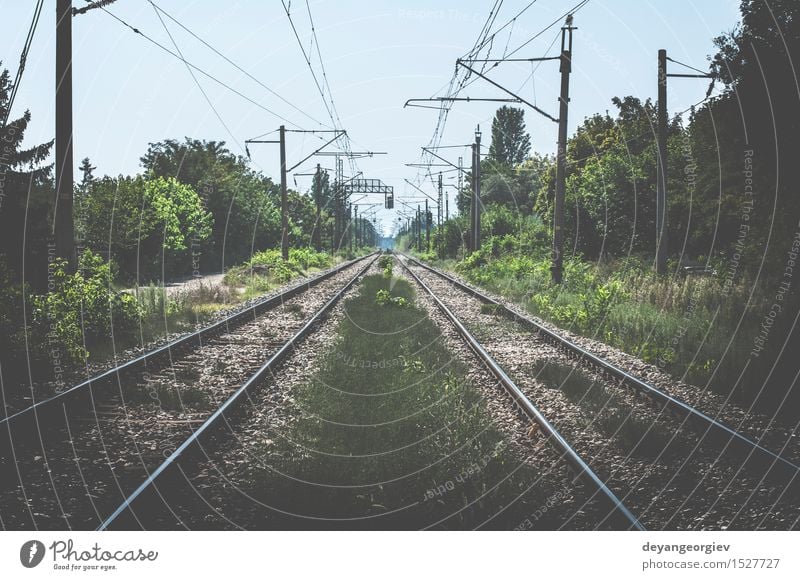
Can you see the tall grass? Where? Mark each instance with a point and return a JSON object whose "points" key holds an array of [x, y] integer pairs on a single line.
{"points": [[697, 328]]}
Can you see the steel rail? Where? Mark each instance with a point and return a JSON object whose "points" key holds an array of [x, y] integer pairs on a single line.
{"points": [[525, 404], [218, 418], [193, 340], [669, 401]]}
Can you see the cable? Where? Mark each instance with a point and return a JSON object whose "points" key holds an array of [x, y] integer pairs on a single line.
{"points": [[232, 63], [91, 6], [37, 11], [198, 69], [194, 78], [687, 66], [308, 62], [573, 10]]}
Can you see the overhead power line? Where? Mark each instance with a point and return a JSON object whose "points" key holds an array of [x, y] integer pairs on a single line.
{"points": [[234, 64], [197, 68], [37, 11]]}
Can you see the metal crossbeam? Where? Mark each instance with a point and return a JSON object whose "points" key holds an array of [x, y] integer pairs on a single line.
{"points": [[367, 186]]}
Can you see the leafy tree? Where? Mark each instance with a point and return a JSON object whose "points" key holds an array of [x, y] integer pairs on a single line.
{"points": [[138, 221], [243, 203], [511, 144]]}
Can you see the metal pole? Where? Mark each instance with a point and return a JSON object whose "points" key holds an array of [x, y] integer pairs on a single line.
{"points": [[427, 227], [355, 211], [447, 206], [561, 156], [284, 201], [64, 226], [661, 183], [350, 226], [439, 217], [476, 195], [318, 204], [460, 183], [419, 229]]}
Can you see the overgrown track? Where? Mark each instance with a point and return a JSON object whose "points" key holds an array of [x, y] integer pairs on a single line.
{"points": [[149, 497], [674, 466], [72, 459], [708, 426], [620, 514], [37, 414]]}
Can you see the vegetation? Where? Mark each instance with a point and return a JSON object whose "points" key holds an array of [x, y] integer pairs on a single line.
{"points": [[723, 190], [399, 425], [195, 208]]}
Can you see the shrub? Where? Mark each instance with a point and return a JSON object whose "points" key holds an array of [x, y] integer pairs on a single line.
{"points": [[82, 309]]}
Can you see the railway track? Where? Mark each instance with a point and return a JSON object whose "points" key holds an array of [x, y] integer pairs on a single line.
{"points": [[80, 453], [671, 464], [640, 457], [619, 513]]}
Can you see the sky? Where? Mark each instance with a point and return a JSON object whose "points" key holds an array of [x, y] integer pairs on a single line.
{"points": [[376, 54]]}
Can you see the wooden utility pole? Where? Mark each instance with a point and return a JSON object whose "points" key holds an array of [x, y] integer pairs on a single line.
{"points": [[557, 267], [284, 200], [661, 180], [64, 226]]}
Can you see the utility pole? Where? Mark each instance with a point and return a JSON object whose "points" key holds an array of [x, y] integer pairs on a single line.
{"points": [[427, 227], [64, 226], [439, 209], [476, 191], [284, 201], [557, 268], [661, 168], [350, 226], [355, 210], [318, 206], [419, 229]]}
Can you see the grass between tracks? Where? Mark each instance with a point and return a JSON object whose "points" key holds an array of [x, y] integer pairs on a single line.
{"points": [[392, 433]]}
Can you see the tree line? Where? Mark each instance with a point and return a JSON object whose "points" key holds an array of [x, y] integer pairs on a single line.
{"points": [[732, 175]]}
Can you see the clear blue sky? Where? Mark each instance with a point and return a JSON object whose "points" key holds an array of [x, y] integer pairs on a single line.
{"points": [[377, 54]]}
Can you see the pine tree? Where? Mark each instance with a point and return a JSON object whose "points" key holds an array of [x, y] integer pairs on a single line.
{"points": [[511, 144], [22, 176]]}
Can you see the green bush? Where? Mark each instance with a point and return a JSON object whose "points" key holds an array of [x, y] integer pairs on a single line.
{"points": [[268, 266], [82, 309]]}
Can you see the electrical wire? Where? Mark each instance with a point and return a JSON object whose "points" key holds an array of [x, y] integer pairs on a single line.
{"points": [[197, 68], [195, 79], [37, 11], [687, 66], [235, 65]]}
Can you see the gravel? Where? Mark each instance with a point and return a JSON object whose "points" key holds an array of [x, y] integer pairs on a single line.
{"points": [[222, 503], [677, 489], [77, 476]]}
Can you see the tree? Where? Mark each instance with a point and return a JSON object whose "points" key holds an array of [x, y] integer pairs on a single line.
{"points": [[242, 202], [510, 142], [321, 193], [140, 223], [26, 191]]}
